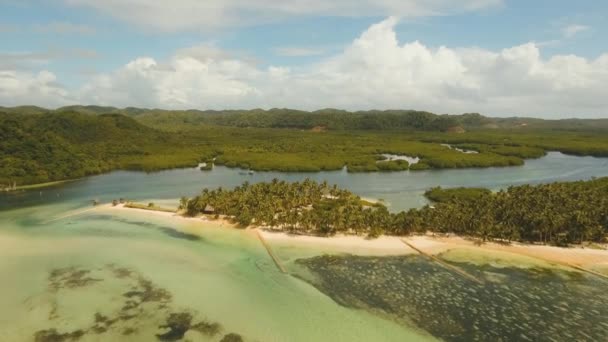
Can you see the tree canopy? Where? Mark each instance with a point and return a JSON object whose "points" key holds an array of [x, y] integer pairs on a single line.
{"points": [[557, 213]]}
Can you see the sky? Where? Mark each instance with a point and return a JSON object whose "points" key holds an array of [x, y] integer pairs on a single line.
{"points": [[541, 58]]}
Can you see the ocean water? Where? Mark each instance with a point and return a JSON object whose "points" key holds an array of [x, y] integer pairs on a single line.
{"points": [[74, 274]]}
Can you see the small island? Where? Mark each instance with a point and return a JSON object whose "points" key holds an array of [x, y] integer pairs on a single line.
{"points": [[515, 220]]}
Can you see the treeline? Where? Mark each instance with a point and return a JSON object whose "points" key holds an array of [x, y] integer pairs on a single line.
{"points": [[331, 119], [558, 213], [441, 195], [326, 118]]}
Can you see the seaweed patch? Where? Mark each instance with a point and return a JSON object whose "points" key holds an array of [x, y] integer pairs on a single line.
{"points": [[142, 303], [51, 335], [70, 278], [232, 337], [178, 324], [509, 305]]}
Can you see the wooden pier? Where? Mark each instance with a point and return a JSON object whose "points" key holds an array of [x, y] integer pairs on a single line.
{"points": [[444, 264], [272, 255]]}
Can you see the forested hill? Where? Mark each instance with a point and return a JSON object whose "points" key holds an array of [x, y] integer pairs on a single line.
{"points": [[325, 119], [38, 148], [38, 145]]}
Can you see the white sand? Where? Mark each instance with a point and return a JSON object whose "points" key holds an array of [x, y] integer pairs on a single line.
{"points": [[384, 245], [201, 219], [391, 245]]}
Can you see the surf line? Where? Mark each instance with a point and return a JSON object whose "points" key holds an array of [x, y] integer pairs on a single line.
{"points": [[269, 250], [444, 264]]}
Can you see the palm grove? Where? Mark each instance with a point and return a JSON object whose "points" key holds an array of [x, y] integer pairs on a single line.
{"points": [[558, 213]]}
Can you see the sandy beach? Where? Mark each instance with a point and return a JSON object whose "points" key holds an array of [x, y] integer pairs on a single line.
{"points": [[595, 260], [201, 219]]}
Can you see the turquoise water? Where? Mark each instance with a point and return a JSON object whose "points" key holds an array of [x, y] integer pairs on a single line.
{"points": [[119, 275]]}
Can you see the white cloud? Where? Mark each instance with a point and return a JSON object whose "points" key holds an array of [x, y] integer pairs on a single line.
{"points": [[294, 51], [183, 82], [18, 88], [179, 15], [572, 30], [374, 71]]}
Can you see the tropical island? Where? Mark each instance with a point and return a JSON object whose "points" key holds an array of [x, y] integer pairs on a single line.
{"points": [[561, 224], [560, 214]]}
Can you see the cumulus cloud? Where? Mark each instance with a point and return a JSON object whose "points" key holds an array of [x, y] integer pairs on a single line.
{"points": [[374, 71], [184, 82], [179, 15], [18, 88]]}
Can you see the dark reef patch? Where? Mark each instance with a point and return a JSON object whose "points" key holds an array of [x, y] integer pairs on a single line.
{"points": [[51, 335], [179, 235], [142, 302], [178, 324], [513, 304], [232, 337], [70, 278], [169, 231], [207, 328]]}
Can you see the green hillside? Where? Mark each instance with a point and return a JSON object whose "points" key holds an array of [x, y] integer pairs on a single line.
{"points": [[37, 145]]}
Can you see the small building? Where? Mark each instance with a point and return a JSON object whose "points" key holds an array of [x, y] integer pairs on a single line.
{"points": [[209, 210]]}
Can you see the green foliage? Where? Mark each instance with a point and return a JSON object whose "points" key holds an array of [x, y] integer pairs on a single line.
{"points": [[305, 206], [38, 145], [393, 165], [558, 213], [419, 166], [440, 195], [38, 148]]}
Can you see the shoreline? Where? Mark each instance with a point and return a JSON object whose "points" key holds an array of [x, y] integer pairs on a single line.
{"points": [[39, 185], [576, 257]]}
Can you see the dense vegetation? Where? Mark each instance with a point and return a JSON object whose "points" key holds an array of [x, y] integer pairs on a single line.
{"points": [[41, 148], [38, 145], [326, 118], [440, 195], [558, 213]]}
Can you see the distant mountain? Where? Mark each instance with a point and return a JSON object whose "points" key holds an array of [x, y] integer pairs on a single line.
{"points": [[324, 119], [57, 145]]}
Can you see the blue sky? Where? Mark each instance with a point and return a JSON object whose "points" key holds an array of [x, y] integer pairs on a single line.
{"points": [[57, 52]]}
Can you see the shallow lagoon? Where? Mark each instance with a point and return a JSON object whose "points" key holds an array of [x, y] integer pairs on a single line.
{"points": [[68, 274], [111, 276]]}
